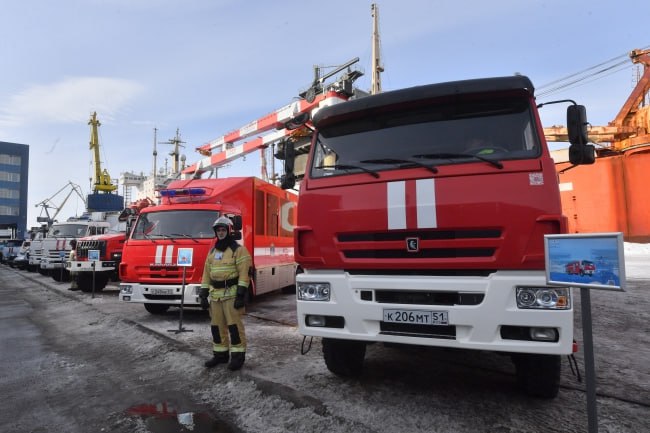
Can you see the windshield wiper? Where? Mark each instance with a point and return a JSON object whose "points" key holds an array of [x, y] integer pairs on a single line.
{"points": [[494, 162], [146, 236], [349, 167], [185, 236], [395, 161]]}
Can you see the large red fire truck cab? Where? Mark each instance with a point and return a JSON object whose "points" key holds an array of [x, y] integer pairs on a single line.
{"points": [[149, 270], [421, 221]]}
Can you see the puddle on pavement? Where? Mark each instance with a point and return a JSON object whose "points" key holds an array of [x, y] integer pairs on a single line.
{"points": [[164, 418]]}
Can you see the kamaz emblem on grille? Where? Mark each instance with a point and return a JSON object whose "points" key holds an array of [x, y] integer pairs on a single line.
{"points": [[412, 245]]}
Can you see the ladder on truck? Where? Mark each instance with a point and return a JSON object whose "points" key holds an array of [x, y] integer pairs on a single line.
{"points": [[276, 127]]}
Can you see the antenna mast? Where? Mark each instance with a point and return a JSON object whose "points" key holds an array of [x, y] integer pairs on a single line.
{"points": [[377, 68], [155, 155], [176, 142]]}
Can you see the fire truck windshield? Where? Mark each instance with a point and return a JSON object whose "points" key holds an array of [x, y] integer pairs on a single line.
{"points": [[427, 137], [68, 230], [175, 224]]}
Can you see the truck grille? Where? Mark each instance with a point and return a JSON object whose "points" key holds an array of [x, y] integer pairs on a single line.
{"points": [[422, 331], [429, 253], [84, 246], [163, 297], [427, 298], [432, 244], [165, 274]]}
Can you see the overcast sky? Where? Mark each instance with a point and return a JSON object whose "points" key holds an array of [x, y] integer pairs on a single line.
{"points": [[208, 67]]}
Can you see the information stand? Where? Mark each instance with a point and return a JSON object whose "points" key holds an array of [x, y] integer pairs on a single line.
{"points": [[93, 257], [184, 260], [62, 255], [588, 261]]}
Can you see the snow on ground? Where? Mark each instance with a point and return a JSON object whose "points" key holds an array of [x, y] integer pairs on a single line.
{"points": [[637, 260]]}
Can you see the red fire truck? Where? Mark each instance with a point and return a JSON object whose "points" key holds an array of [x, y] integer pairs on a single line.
{"points": [[262, 212], [109, 249], [408, 233], [580, 267]]}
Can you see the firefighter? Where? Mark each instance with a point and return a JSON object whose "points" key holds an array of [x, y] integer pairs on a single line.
{"points": [[223, 290], [74, 286]]}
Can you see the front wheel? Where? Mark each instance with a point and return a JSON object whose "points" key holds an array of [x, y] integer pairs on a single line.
{"points": [[60, 276], [85, 281], [344, 357], [538, 375], [156, 308]]}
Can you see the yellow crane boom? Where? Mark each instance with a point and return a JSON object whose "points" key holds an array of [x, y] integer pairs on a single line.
{"points": [[101, 178]]}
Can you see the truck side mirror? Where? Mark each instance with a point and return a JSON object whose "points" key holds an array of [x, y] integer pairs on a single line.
{"points": [[288, 179], [576, 120], [582, 154], [236, 226], [579, 151], [236, 222]]}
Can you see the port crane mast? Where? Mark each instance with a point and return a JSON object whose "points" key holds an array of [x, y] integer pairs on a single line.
{"points": [[49, 204], [101, 178], [276, 128], [102, 198], [631, 126]]}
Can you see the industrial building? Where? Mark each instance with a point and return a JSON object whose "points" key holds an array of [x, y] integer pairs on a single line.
{"points": [[14, 176]]}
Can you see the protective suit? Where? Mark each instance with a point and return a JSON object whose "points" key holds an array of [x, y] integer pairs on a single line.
{"points": [[72, 256], [223, 290]]}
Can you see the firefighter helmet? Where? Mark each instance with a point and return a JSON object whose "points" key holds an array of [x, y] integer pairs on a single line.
{"points": [[222, 222]]}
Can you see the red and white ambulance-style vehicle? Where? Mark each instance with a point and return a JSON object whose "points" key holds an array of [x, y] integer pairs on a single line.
{"points": [[263, 213], [408, 233]]}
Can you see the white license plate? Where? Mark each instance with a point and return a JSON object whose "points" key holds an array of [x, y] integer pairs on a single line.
{"points": [[162, 292], [417, 317]]}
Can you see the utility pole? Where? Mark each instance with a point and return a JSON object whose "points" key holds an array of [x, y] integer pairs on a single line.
{"points": [[377, 67]]}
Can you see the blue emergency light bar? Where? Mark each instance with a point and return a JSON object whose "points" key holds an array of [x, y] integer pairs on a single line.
{"points": [[182, 192]]}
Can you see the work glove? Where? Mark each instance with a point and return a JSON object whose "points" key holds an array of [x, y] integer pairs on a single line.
{"points": [[203, 296], [240, 300]]}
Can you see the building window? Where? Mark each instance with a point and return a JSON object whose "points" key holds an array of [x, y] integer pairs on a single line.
{"points": [[9, 210], [9, 193], [10, 159], [9, 177]]}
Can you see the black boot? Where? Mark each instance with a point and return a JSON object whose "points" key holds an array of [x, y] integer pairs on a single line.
{"points": [[236, 360], [218, 358]]}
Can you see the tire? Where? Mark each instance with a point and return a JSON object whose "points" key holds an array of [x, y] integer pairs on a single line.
{"points": [[101, 279], [156, 308], [100, 282], [344, 357], [538, 375], [85, 283], [59, 276]]}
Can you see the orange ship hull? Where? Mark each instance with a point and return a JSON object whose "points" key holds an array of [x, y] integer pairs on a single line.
{"points": [[610, 195]]}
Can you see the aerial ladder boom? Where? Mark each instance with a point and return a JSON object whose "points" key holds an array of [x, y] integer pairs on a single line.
{"points": [[224, 144], [101, 178], [272, 128]]}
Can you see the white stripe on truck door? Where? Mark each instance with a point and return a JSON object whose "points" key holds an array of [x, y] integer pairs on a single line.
{"points": [[169, 252], [425, 196]]}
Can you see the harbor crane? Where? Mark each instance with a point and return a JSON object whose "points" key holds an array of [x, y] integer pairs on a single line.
{"points": [[48, 203]]}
